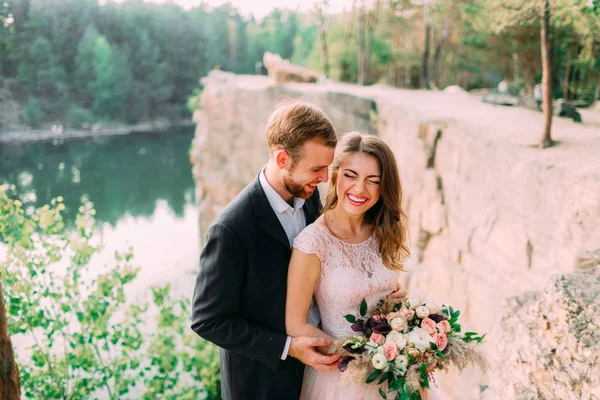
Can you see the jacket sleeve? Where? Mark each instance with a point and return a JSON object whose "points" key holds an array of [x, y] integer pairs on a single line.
{"points": [[216, 301]]}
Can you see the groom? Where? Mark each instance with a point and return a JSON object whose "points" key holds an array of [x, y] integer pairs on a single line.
{"points": [[239, 298]]}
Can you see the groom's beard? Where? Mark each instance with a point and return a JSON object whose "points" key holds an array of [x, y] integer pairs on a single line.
{"points": [[296, 189]]}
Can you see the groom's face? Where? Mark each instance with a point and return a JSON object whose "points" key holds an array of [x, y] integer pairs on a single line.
{"points": [[310, 169]]}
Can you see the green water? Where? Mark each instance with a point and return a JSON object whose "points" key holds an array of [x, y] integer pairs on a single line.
{"points": [[122, 175]]}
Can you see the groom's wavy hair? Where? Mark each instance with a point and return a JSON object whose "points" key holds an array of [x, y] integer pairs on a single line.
{"points": [[295, 122], [391, 223]]}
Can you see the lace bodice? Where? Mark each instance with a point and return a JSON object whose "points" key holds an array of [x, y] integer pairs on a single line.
{"points": [[349, 273]]}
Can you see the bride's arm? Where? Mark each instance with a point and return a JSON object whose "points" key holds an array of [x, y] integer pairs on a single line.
{"points": [[303, 274]]}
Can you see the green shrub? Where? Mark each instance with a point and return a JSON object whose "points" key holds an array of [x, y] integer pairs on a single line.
{"points": [[193, 102], [88, 341], [33, 113], [78, 116]]}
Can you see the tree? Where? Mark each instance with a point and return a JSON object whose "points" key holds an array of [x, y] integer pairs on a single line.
{"points": [[513, 14], [425, 73], [322, 20], [546, 75], [41, 73], [9, 373], [366, 15], [84, 65], [106, 88]]}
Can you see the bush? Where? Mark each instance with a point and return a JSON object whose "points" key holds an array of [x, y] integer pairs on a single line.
{"points": [[78, 116], [33, 113], [88, 340], [193, 102]]}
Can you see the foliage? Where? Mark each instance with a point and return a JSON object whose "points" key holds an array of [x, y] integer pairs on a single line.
{"points": [[138, 60], [78, 116], [32, 112], [88, 339]]}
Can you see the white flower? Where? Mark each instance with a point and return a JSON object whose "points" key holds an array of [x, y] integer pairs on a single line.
{"points": [[397, 338], [434, 308], [401, 363], [413, 303], [422, 312], [420, 338], [379, 361], [398, 324]]}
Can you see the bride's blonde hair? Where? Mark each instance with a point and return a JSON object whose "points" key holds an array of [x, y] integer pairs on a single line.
{"points": [[391, 226]]}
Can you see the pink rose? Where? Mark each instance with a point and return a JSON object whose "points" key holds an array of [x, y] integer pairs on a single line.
{"points": [[392, 315], [406, 313], [390, 351], [428, 325], [411, 314], [414, 353], [441, 340], [444, 326], [377, 338]]}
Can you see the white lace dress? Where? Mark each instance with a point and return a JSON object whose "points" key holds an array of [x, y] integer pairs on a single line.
{"points": [[349, 273]]}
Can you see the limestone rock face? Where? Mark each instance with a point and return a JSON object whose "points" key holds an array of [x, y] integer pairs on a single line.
{"points": [[492, 219], [550, 341], [282, 71], [230, 146]]}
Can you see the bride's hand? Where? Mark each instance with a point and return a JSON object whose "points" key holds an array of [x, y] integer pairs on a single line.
{"points": [[400, 292]]}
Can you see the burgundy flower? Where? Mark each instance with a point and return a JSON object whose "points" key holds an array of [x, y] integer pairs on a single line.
{"points": [[381, 326], [359, 326], [437, 317], [343, 362]]}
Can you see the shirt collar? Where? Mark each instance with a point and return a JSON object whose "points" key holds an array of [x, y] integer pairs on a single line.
{"points": [[278, 204]]}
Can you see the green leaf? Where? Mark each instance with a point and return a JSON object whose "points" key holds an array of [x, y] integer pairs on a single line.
{"points": [[363, 308], [373, 376], [382, 393], [350, 318], [433, 346]]}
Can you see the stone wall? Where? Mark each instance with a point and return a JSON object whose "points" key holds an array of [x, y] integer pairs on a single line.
{"points": [[491, 217], [550, 343]]}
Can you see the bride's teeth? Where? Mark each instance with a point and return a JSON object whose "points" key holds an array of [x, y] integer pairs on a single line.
{"points": [[356, 199]]}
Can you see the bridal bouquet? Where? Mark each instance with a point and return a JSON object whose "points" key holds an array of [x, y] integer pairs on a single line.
{"points": [[402, 343]]}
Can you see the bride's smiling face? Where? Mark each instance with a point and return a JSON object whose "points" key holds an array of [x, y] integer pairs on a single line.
{"points": [[358, 182]]}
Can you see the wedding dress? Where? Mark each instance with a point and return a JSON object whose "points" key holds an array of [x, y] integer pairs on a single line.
{"points": [[349, 273]]}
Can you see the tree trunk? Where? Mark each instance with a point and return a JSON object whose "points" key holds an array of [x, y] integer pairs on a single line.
{"points": [[362, 64], [9, 373], [546, 140], [322, 28], [425, 68], [437, 54], [367, 21]]}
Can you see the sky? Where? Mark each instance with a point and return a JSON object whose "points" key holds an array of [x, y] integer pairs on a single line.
{"points": [[260, 8]]}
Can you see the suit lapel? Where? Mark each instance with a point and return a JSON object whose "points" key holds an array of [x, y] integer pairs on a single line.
{"points": [[268, 221], [312, 208], [310, 214]]}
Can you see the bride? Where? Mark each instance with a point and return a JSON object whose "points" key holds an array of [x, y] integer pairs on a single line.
{"points": [[354, 250]]}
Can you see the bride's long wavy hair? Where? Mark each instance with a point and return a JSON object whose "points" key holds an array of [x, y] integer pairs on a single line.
{"points": [[391, 224]]}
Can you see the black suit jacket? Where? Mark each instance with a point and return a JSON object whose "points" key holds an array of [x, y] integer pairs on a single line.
{"points": [[239, 298]]}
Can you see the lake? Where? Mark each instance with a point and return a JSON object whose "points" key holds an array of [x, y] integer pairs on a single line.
{"points": [[143, 192]]}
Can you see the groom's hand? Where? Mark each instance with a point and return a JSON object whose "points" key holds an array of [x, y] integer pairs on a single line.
{"points": [[303, 349]]}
